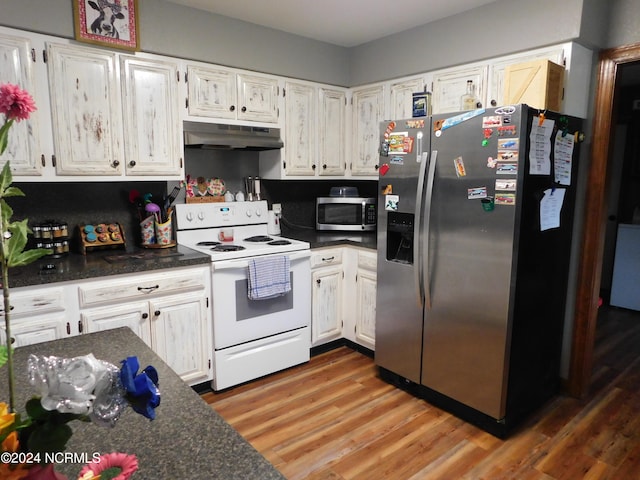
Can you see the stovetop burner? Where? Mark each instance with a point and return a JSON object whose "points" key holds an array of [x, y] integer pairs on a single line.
{"points": [[258, 238], [207, 244], [227, 248], [279, 242]]}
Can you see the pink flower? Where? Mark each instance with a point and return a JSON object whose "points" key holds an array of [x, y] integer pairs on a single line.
{"points": [[127, 464], [16, 104]]}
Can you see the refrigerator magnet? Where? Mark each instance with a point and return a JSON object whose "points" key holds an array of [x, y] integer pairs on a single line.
{"points": [[507, 168], [508, 143], [505, 198], [507, 155], [458, 163], [508, 184], [492, 121], [477, 192], [391, 202], [492, 162]]}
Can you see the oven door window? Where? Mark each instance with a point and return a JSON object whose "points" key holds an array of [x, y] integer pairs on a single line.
{"points": [[248, 309]]}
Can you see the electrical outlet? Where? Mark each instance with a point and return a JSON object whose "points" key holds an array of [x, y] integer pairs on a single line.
{"points": [[277, 208]]}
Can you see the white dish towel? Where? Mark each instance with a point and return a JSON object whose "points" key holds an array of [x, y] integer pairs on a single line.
{"points": [[269, 277]]}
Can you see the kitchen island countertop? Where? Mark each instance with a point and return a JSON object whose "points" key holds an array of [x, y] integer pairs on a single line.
{"points": [[187, 439]]}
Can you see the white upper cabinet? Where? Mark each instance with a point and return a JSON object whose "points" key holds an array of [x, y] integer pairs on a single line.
{"points": [[332, 132], [495, 93], [300, 147], [86, 110], [449, 86], [221, 93], [114, 114], [152, 130], [18, 62], [401, 96], [368, 111]]}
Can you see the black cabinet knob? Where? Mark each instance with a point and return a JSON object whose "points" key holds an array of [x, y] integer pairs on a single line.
{"points": [[232, 108], [244, 109], [132, 163]]}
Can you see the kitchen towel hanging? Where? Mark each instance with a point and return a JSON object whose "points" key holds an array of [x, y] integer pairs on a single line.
{"points": [[269, 277]]}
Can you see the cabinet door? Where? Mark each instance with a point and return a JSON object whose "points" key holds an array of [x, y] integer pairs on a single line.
{"points": [[332, 129], [86, 110], [38, 329], [300, 129], [212, 92], [181, 335], [151, 119], [257, 98], [326, 317], [496, 71], [133, 315], [450, 85], [402, 97], [368, 112], [16, 67], [366, 308]]}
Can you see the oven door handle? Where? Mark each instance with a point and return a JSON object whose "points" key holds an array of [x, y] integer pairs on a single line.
{"points": [[244, 263]]}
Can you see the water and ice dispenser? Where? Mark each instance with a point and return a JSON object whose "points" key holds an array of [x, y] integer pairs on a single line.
{"points": [[400, 237]]}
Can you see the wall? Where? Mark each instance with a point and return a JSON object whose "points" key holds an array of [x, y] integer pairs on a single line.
{"points": [[169, 29], [624, 23], [503, 27]]}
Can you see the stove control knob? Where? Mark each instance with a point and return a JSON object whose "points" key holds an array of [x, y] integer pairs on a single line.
{"points": [[190, 216], [200, 215], [249, 213], [258, 212]]}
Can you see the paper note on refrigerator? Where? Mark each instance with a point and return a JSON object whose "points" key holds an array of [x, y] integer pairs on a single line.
{"points": [[562, 155], [540, 149], [550, 207]]}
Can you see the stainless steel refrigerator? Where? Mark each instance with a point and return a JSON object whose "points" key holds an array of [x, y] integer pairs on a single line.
{"points": [[475, 215]]}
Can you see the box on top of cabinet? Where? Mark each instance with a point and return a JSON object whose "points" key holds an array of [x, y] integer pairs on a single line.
{"points": [[538, 83]]}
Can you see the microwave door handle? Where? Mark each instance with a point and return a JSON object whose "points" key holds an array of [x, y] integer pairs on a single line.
{"points": [[417, 227]]}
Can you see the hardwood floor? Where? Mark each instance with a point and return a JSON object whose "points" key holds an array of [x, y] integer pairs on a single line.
{"points": [[334, 419]]}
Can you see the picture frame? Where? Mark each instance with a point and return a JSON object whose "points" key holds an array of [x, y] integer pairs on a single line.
{"points": [[109, 23]]}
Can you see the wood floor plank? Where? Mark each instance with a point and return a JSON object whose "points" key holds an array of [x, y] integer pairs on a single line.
{"points": [[335, 419]]}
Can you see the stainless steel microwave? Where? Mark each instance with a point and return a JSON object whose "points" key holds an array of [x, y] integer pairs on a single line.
{"points": [[346, 213]]}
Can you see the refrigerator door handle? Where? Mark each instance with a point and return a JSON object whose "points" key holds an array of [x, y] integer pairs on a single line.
{"points": [[427, 222], [417, 227]]}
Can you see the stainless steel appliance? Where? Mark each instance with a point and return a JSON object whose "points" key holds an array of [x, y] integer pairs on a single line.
{"points": [[475, 216], [346, 214], [256, 337]]}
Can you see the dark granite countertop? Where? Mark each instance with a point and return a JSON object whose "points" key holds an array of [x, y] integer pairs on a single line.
{"points": [[187, 440], [330, 239], [103, 263]]}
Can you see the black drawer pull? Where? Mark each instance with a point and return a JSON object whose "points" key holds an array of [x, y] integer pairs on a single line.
{"points": [[148, 289]]}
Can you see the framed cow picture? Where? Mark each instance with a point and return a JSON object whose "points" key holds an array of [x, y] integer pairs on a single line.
{"points": [[110, 23]]}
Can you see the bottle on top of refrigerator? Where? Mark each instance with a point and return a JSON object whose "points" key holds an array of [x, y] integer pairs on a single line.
{"points": [[469, 101]]}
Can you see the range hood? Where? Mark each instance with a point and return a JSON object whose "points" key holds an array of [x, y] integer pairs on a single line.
{"points": [[230, 137]]}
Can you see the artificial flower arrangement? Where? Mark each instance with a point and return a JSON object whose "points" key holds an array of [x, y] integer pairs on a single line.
{"points": [[81, 388]]}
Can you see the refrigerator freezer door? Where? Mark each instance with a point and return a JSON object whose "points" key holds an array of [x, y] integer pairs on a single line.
{"points": [[465, 340], [399, 302]]}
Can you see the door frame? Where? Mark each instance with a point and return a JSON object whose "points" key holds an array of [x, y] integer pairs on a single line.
{"points": [[595, 218]]}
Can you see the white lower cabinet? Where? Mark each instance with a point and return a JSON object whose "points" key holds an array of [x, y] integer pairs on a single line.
{"points": [[365, 299], [169, 310], [38, 315], [327, 279], [344, 295]]}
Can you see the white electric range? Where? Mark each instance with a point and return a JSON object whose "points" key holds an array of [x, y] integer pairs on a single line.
{"points": [[251, 338]]}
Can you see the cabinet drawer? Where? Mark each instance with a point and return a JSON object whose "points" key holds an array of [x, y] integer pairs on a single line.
{"points": [[36, 301], [368, 261], [323, 258], [143, 286]]}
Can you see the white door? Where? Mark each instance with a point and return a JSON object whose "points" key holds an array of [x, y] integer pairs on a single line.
{"points": [[332, 130], [300, 129]]}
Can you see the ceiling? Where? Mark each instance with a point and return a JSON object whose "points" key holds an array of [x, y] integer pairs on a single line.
{"points": [[345, 23]]}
